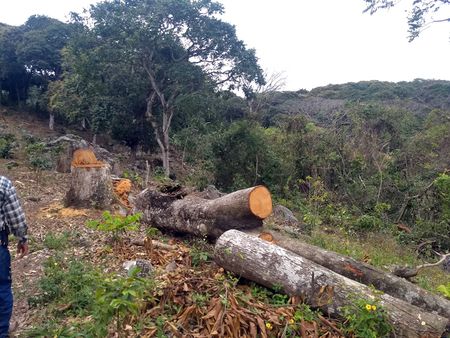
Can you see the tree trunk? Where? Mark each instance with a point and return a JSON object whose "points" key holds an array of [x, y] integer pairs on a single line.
{"points": [[364, 273], [133, 152], [51, 123], [268, 264], [90, 187], [198, 216]]}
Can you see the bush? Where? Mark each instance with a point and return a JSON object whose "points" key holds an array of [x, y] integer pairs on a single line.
{"points": [[7, 143], [366, 222]]}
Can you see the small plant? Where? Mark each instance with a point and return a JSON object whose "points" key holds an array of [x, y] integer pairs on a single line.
{"points": [[132, 177], [54, 242], [445, 289], [305, 313], [118, 297], [198, 252], [7, 143], [116, 225], [366, 318]]}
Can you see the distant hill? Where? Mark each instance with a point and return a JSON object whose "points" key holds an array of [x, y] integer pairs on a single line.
{"points": [[419, 89]]}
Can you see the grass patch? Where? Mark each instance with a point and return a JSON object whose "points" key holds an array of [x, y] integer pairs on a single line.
{"points": [[384, 251]]}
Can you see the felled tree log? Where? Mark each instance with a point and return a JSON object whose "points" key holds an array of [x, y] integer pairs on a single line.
{"points": [[90, 182], [364, 273], [270, 265], [195, 215]]}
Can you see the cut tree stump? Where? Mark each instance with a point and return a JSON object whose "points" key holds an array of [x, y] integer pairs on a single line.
{"points": [[195, 215], [363, 273], [271, 265], [90, 182]]}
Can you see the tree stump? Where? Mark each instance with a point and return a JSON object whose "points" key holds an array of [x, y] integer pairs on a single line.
{"points": [[194, 214], [270, 265], [90, 184]]}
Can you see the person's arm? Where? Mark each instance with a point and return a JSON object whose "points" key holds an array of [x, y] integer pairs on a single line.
{"points": [[15, 219]]}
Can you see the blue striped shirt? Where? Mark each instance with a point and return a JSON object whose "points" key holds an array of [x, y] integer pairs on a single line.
{"points": [[11, 211]]}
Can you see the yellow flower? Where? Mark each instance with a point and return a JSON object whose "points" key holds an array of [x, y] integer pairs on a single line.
{"points": [[56, 264], [292, 321], [269, 326], [368, 307], [374, 307]]}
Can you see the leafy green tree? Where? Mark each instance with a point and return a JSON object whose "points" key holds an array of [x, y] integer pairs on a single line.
{"points": [[244, 157], [14, 77], [30, 58], [159, 50], [420, 17]]}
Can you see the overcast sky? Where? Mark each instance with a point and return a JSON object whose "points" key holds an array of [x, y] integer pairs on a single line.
{"points": [[315, 42]]}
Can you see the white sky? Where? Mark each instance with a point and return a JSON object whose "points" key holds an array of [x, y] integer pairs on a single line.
{"points": [[315, 42]]}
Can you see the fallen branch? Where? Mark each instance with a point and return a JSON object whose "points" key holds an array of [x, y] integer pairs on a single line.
{"points": [[156, 244], [407, 272]]}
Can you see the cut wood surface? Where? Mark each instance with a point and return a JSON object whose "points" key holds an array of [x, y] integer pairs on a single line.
{"points": [[90, 187], [363, 273], [242, 209], [269, 264]]}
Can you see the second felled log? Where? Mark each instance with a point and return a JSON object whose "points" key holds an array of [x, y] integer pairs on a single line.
{"points": [[271, 265], [195, 215], [364, 274]]}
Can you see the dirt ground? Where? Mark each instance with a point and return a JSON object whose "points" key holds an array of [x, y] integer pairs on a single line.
{"points": [[41, 196]]}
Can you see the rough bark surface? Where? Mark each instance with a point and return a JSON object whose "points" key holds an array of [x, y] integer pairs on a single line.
{"points": [[90, 187], [269, 264], [197, 216], [364, 273]]}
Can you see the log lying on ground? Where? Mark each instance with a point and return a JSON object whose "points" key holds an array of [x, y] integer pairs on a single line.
{"points": [[270, 265], [364, 273], [198, 216]]}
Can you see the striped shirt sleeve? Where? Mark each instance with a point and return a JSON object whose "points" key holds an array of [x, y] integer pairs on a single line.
{"points": [[14, 216]]}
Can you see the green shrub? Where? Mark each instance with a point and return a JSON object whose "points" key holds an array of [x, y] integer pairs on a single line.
{"points": [[366, 317], [367, 222], [52, 241], [116, 225], [7, 143], [83, 290]]}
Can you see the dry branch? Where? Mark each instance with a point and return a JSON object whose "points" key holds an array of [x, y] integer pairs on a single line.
{"points": [[156, 244]]}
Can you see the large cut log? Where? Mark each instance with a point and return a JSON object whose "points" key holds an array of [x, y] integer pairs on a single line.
{"points": [[90, 182], [195, 215], [364, 273], [268, 264]]}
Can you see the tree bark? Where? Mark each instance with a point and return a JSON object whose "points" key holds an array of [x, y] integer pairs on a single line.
{"points": [[268, 264], [51, 123], [364, 273], [90, 188], [198, 216]]}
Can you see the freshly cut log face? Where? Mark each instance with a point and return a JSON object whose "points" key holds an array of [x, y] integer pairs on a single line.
{"points": [[242, 209], [260, 202]]}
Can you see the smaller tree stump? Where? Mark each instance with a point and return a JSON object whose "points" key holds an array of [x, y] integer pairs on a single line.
{"points": [[91, 184]]}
